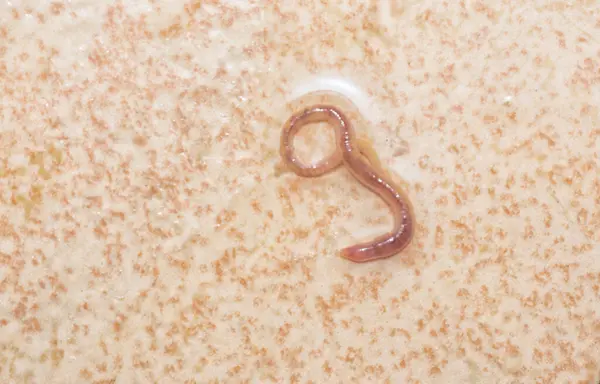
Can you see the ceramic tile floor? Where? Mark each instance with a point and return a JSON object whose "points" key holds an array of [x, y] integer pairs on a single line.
{"points": [[145, 235]]}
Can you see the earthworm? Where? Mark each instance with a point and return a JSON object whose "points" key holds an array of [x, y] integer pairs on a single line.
{"points": [[292, 127], [364, 166]]}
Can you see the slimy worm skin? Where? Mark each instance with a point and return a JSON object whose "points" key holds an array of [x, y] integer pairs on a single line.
{"points": [[364, 165]]}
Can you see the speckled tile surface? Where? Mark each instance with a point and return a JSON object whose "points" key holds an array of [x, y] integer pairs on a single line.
{"points": [[146, 237]]}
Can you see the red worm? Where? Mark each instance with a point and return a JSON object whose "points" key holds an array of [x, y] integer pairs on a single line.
{"points": [[364, 168]]}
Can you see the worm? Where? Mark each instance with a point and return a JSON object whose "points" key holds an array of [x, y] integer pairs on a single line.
{"points": [[364, 165]]}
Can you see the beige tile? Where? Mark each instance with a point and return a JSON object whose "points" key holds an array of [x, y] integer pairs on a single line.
{"points": [[145, 235]]}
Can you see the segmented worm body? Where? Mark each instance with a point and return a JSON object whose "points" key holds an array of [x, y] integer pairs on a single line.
{"points": [[364, 166]]}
